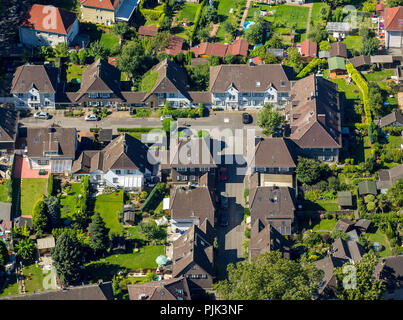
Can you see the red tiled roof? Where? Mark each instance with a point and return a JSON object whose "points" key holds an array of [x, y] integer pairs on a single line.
{"points": [[393, 18], [210, 49], [238, 48], [147, 30], [104, 4], [257, 60], [379, 7], [309, 48], [39, 17], [175, 45]]}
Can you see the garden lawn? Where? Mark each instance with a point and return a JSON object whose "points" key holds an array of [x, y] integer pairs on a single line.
{"points": [[31, 190], [108, 206], [260, 6], [109, 40], [35, 281], [317, 6], [380, 237], [378, 76], [325, 225], [74, 72], [188, 11], [4, 196], [68, 202], [320, 205], [292, 14], [148, 81], [394, 141], [135, 233], [353, 42], [351, 90], [223, 9]]}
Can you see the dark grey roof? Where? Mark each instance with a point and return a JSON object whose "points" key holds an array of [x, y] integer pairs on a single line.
{"points": [[105, 135], [41, 77], [8, 125], [5, 211], [367, 187], [395, 116], [363, 223], [274, 153], [345, 198], [360, 61]]}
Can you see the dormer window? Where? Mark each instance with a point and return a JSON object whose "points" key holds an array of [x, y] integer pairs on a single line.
{"points": [[283, 83]]}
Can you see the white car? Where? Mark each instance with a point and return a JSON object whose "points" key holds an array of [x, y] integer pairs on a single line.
{"points": [[165, 117], [91, 117], [41, 115]]}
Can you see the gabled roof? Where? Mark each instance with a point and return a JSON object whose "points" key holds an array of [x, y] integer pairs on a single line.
{"points": [[191, 203], [238, 48], [395, 116], [58, 140], [390, 270], [172, 289], [351, 250], [327, 265], [393, 18], [99, 77], [360, 61], [194, 246], [147, 30], [345, 198], [382, 58], [315, 113], [122, 153], [343, 225], [367, 187], [388, 177], [41, 77], [210, 49], [336, 63], [309, 48], [102, 4], [99, 291], [274, 153], [8, 124], [5, 211], [248, 78], [339, 49], [45, 243], [37, 18]]}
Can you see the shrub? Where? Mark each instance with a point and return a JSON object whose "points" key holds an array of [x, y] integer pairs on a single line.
{"points": [[141, 113], [143, 130]]}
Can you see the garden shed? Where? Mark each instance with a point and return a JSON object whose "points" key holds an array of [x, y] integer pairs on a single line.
{"points": [[344, 199], [367, 187]]}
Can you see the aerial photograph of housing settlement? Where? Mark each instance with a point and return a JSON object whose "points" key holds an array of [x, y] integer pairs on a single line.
{"points": [[211, 150]]}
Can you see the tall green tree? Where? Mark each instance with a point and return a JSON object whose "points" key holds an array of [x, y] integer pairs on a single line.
{"points": [[25, 249], [99, 240], [67, 258], [308, 170], [270, 277], [3, 254], [52, 205], [121, 28], [74, 57], [395, 193], [132, 58], [82, 56], [40, 220], [375, 100], [370, 46], [98, 50], [255, 34], [61, 50], [269, 119]]}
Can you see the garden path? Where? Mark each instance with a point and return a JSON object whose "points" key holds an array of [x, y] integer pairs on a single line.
{"points": [[245, 14], [309, 19]]}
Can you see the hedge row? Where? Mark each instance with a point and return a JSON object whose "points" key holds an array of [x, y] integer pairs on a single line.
{"points": [[197, 19], [50, 185], [154, 193], [145, 130], [394, 131], [363, 86], [310, 67]]}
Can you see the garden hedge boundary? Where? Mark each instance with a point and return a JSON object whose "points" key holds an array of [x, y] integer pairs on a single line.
{"points": [[145, 130], [310, 67], [197, 19], [154, 193]]}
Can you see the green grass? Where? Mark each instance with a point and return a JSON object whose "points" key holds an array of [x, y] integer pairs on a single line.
{"points": [[353, 42], [315, 15], [325, 225], [105, 268], [135, 233], [148, 81], [4, 196], [292, 14], [223, 9], [378, 76], [351, 90], [264, 7], [394, 141], [108, 206], [380, 237], [31, 190], [320, 205], [109, 40], [68, 202], [74, 72], [188, 11]]}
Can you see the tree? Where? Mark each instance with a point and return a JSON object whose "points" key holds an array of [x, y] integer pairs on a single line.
{"points": [[375, 99], [121, 28], [369, 6], [367, 287], [316, 33], [99, 238], [339, 234], [210, 14], [269, 119], [270, 277], [394, 3], [82, 56], [364, 32], [45, 52], [40, 220], [294, 59], [230, 59], [52, 205], [61, 50], [255, 33], [3, 254], [67, 258], [275, 42], [370, 46], [308, 170], [132, 58], [150, 276], [166, 124], [74, 57], [25, 249], [214, 60], [165, 23], [203, 34], [229, 27], [395, 193], [325, 46], [98, 50], [149, 230]]}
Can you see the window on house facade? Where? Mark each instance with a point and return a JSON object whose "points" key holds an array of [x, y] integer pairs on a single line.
{"points": [[118, 172], [115, 180]]}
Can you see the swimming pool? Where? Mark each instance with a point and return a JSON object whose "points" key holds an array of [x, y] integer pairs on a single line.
{"points": [[247, 24]]}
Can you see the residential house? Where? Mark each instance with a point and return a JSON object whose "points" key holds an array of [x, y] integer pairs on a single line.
{"points": [[172, 289], [147, 31], [97, 291], [308, 49], [367, 187], [273, 206], [275, 161], [39, 30], [189, 160], [123, 163], [349, 250], [193, 258], [393, 28], [361, 62], [339, 49], [344, 199], [107, 12], [190, 206], [314, 118], [266, 238], [328, 284], [339, 30], [5, 220], [393, 119], [53, 148], [337, 67], [238, 48], [245, 86], [387, 177], [390, 271], [8, 130], [35, 86]]}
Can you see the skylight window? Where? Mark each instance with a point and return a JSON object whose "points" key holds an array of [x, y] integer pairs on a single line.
{"points": [[257, 84]]}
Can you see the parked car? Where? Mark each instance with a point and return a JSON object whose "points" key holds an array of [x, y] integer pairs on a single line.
{"points": [[122, 108], [224, 200], [91, 117], [223, 219], [245, 118], [166, 116], [223, 174], [41, 115]]}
